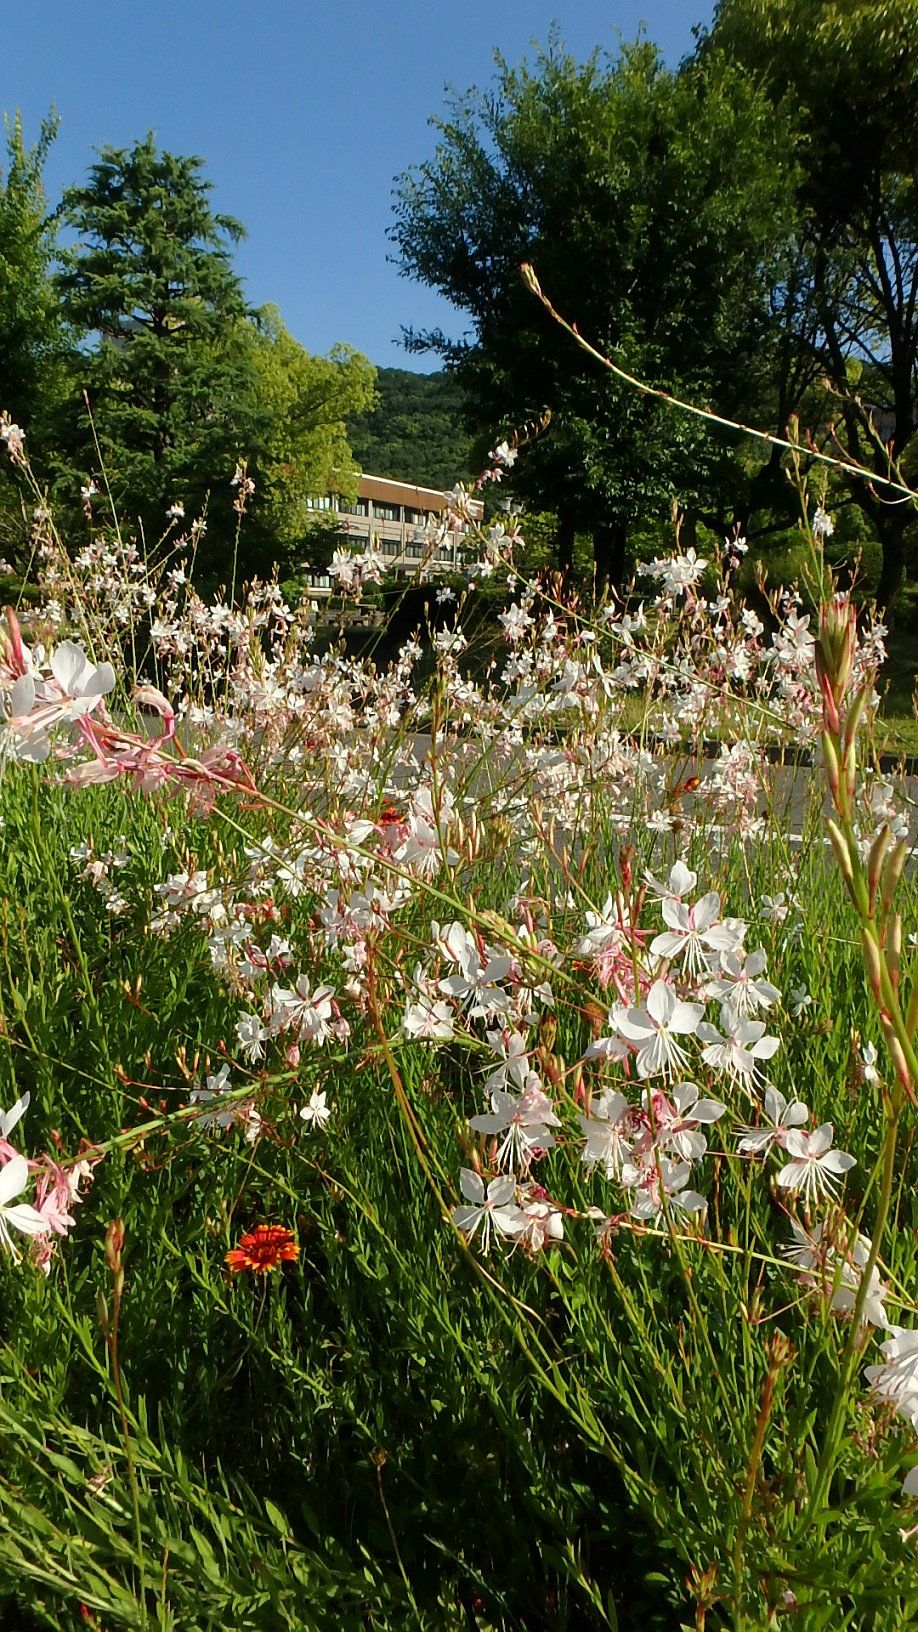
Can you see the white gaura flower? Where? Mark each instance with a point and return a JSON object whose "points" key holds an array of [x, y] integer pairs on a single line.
{"points": [[427, 1019], [80, 684], [814, 1167], [693, 931], [653, 1029], [740, 1049], [488, 1212], [14, 1177], [896, 1381], [869, 1063], [837, 1271], [780, 1118], [316, 1114], [306, 1011], [739, 983], [680, 883], [524, 1122], [658, 1183], [251, 1035], [609, 1130]]}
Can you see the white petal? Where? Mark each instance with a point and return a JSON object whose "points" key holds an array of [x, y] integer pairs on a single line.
{"points": [[14, 1177], [26, 1219], [69, 665], [470, 1183]]}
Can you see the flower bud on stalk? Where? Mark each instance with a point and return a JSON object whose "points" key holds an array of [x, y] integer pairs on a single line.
{"points": [[875, 863], [830, 755], [835, 644], [114, 1242], [894, 949], [843, 857], [911, 1018], [899, 1061], [873, 962], [12, 655], [892, 872]]}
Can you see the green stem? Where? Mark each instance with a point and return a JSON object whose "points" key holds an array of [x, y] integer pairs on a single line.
{"points": [[828, 1458]]}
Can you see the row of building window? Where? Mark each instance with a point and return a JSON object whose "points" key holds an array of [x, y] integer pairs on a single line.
{"points": [[381, 512]]}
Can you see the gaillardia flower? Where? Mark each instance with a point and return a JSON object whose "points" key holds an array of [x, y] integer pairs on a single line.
{"points": [[262, 1249]]}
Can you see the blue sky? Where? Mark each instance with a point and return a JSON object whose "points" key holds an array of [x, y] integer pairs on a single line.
{"points": [[304, 111]]}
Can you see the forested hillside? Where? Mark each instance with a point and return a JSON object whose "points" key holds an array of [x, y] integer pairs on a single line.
{"points": [[416, 432]]}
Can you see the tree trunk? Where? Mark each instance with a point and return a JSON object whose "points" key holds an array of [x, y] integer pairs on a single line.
{"points": [[564, 542], [609, 542], [891, 528]]}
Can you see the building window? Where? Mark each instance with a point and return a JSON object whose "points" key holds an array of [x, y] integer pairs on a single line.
{"points": [[387, 512], [389, 547], [321, 501], [415, 551]]}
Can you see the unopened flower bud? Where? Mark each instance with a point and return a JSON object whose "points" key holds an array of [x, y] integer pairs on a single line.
{"points": [[874, 963], [114, 1242]]}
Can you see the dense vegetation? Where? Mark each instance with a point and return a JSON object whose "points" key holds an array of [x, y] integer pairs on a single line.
{"points": [[416, 430], [741, 231]]}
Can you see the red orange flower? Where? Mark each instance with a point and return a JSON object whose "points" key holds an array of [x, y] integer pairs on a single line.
{"points": [[262, 1249]]}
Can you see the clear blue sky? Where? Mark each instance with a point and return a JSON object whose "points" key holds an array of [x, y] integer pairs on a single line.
{"points": [[304, 111]]}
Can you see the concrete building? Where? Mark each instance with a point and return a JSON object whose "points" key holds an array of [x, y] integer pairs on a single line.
{"points": [[395, 516]]}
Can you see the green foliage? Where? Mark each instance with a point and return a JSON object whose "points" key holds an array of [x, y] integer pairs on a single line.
{"points": [[414, 433], [843, 78], [655, 208], [171, 384], [184, 381], [306, 403], [33, 345]]}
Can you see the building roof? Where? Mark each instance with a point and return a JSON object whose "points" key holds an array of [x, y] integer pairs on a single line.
{"points": [[389, 491]]}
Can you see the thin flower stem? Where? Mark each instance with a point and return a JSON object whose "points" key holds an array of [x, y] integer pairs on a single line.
{"points": [[847, 467], [828, 1458]]}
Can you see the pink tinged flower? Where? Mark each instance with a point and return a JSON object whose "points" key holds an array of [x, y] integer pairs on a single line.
{"points": [[53, 1199], [658, 1184], [676, 1122], [489, 1212], [814, 1168], [543, 1224], [739, 1051], [652, 1030], [427, 1019], [524, 1122], [13, 1179], [609, 1129], [693, 931], [82, 683]]}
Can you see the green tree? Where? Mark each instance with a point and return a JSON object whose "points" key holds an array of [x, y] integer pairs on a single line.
{"points": [[843, 76], [415, 432], [656, 212], [169, 375], [304, 403], [33, 345]]}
